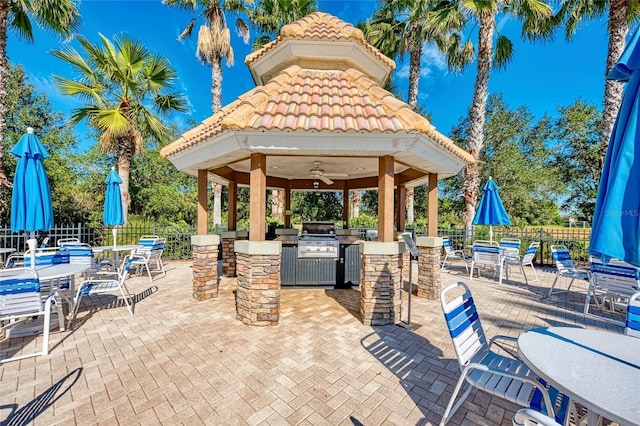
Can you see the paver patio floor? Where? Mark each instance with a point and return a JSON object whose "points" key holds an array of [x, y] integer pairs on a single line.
{"points": [[180, 361]]}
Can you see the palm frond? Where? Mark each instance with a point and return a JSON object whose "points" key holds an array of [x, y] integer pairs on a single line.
{"points": [[503, 53], [187, 30], [21, 22], [242, 30], [60, 16], [171, 102]]}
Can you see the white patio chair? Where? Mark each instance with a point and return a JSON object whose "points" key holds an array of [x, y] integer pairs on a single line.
{"points": [[450, 254], [565, 268], [526, 260], [632, 323], [487, 255], [484, 369], [530, 417], [614, 283], [101, 284], [21, 299], [150, 253]]}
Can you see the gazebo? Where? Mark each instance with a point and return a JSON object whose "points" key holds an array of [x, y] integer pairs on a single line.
{"points": [[318, 110]]}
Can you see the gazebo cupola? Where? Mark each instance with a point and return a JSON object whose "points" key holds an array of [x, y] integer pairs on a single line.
{"points": [[322, 42]]}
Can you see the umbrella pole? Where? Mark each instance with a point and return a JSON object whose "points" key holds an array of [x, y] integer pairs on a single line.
{"points": [[32, 243], [114, 231], [490, 234]]}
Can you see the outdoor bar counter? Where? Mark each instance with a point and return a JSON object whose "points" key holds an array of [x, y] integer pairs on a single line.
{"points": [[330, 259]]}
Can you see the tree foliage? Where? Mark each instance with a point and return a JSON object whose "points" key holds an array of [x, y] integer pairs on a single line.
{"points": [[28, 108]]}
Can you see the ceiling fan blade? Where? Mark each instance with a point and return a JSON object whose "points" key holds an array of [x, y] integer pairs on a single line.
{"points": [[337, 175], [325, 179]]}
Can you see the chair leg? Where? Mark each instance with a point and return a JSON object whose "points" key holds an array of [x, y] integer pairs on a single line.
{"points": [[526, 280], [553, 285], [473, 264], [126, 297], [451, 409]]}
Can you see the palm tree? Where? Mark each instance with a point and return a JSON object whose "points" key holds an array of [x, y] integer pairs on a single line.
{"points": [[61, 17], [621, 14], [535, 16], [401, 27], [123, 85], [214, 37], [214, 44], [269, 16]]}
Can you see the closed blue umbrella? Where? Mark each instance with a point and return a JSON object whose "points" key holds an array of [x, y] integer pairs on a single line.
{"points": [[31, 206], [113, 214], [615, 229], [491, 211]]}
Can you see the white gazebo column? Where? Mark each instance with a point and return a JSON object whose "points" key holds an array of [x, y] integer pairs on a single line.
{"points": [[258, 291], [205, 266], [429, 282], [381, 282]]}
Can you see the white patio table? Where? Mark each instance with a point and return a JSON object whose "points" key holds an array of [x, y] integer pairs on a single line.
{"points": [[599, 370]]}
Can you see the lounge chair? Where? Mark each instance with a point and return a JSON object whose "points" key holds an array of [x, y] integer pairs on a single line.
{"points": [[565, 268], [450, 254], [632, 323], [526, 260]]}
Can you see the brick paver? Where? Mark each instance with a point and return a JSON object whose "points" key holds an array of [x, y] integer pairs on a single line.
{"points": [[182, 361]]}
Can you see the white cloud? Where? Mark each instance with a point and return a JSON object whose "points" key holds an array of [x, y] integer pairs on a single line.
{"points": [[432, 61]]}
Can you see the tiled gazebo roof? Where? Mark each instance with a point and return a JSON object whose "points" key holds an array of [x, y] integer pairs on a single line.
{"points": [[315, 101]]}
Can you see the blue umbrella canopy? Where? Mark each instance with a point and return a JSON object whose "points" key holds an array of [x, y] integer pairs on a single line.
{"points": [[491, 211], [113, 214], [31, 206], [615, 229]]}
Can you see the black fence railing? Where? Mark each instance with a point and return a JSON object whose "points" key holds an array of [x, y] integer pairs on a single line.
{"points": [[178, 245]]}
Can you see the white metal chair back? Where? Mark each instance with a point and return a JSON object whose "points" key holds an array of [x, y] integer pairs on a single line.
{"points": [[510, 246], [21, 298], [527, 260], [632, 323], [61, 241], [47, 256], [562, 258], [530, 254]]}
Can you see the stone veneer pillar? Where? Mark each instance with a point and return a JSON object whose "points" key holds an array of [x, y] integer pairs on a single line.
{"points": [[258, 291], [228, 253], [429, 282], [381, 282], [205, 266]]}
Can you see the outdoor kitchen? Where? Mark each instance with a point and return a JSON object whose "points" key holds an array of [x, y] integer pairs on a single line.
{"points": [[319, 255]]}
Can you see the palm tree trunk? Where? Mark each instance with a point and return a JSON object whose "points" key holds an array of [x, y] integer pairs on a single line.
{"points": [[4, 22], [277, 205], [477, 113], [618, 30], [216, 85], [124, 171], [409, 204], [355, 204], [217, 204], [414, 76]]}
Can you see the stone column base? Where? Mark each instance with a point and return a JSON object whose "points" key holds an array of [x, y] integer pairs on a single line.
{"points": [[258, 291], [381, 282], [429, 282], [205, 266], [228, 253]]}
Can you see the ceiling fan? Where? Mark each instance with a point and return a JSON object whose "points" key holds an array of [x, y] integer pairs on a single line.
{"points": [[317, 172]]}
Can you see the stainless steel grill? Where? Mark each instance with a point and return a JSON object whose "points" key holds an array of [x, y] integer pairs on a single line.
{"points": [[318, 241]]}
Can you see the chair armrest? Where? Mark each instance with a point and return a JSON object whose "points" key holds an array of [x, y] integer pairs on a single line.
{"points": [[510, 349]]}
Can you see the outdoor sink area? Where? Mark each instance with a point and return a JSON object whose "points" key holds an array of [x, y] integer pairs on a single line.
{"points": [[179, 360]]}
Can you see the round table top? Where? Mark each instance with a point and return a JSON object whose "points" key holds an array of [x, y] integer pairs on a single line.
{"points": [[52, 272], [102, 249], [600, 370]]}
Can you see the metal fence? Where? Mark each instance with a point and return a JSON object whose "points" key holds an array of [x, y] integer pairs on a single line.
{"points": [[178, 245]]}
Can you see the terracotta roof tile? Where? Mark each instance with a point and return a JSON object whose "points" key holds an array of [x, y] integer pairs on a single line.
{"points": [[351, 103], [320, 26]]}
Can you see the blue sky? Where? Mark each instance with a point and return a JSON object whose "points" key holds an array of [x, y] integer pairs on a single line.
{"points": [[541, 76]]}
